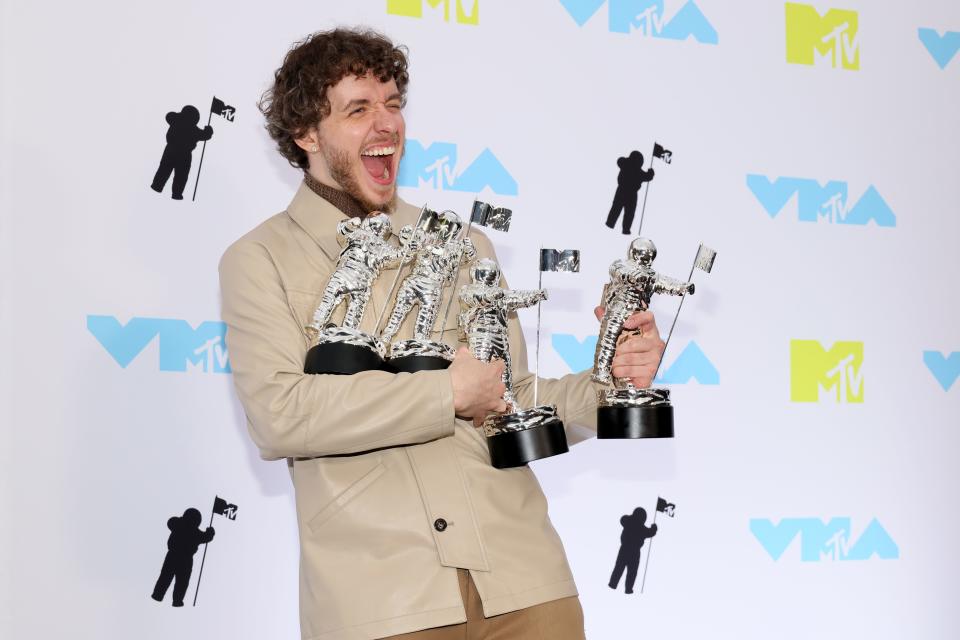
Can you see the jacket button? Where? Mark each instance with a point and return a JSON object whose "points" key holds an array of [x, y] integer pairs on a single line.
{"points": [[440, 524]]}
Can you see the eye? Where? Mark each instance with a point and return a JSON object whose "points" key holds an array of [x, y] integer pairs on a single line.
{"points": [[358, 110]]}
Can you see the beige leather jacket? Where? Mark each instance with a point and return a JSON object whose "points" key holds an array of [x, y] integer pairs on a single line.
{"points": [[379, 462]]}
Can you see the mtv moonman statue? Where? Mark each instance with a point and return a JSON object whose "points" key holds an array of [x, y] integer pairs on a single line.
{"points": [[483, 318], [440, 252], [518, 436], [364, 255], [625, 411]]}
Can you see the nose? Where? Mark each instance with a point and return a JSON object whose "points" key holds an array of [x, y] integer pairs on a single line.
{"points": [[387, 121]]}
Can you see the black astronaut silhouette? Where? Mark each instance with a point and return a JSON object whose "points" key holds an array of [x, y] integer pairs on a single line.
{"points": [[635, 531], [185, 538], [631, 178], [182, 138]]}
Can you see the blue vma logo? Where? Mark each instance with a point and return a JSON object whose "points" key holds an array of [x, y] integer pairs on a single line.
{"points": [[824, 541], [647, 18], [946, 369], [691, 364], [816, 203], [182, 348], [942, 48], [435, 166]]}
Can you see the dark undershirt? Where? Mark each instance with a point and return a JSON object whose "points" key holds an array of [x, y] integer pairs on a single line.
{"points": [[340, 199]]}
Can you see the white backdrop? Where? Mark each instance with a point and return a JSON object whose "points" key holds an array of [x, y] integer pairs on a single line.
{"points": [[96, 456]]}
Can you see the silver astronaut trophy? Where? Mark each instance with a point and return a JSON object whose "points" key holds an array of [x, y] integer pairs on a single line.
{"points": [[626, 411], [440, 250], [520, 435], [345, 349]]}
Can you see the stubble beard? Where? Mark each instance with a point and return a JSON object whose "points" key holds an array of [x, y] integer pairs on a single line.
{"points": [[339, 163]]}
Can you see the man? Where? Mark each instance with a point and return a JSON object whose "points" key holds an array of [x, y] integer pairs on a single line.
{"points": [[405, 527]]}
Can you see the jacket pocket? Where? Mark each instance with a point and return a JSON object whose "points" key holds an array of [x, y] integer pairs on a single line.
{"points": [[344, 497]]}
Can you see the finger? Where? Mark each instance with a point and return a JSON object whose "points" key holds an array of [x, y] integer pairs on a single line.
{"points": [[635, 360], [637, 344], [641, 320], [599, 312]]}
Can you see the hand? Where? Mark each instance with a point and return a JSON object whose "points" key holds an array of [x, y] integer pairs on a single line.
{"points": [[637, 354], [477, 386]]}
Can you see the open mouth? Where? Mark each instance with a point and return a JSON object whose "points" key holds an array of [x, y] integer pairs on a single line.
{"points": [[378, 161]]}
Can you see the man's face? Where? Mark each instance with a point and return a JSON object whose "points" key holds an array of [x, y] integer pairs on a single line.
{"points": [[361, 141]]}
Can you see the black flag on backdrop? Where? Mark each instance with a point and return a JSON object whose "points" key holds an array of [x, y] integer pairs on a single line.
{"points": [[224, 508], [220, 108], [665, 507], [664, 154]]}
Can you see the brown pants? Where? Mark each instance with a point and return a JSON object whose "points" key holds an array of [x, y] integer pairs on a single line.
{"points": [[556, 620]]}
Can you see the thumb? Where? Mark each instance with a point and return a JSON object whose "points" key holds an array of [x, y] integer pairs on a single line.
{"points": [[599, 312]]}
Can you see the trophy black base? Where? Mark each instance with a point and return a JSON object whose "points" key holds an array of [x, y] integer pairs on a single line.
{"points": [[341, 358], [635, 422], [412, 364], [516, 448]]}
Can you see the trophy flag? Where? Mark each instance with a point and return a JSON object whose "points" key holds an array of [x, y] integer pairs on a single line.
{"points": [[493, 217], [223, 508], [567, 260], [704, 259], [665, 507], [219, 107]]}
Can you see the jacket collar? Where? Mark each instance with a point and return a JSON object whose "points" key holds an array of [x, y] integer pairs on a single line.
{"points": [[318, 217]]}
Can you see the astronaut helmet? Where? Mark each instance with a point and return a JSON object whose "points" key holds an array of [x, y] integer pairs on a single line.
{"points": [[643, 250], [448, 226], [485, 271], [379, 224]]}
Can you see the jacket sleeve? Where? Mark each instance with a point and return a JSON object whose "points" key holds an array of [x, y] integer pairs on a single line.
{"points": [[293, 414]]}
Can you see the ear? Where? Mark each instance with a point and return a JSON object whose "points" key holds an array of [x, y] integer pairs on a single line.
{"points": [[310, 142]]}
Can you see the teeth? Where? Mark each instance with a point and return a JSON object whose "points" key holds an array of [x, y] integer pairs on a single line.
{"points": [[383, 151]]}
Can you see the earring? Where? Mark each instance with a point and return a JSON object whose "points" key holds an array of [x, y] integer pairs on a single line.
{"points": [[313, 149]]}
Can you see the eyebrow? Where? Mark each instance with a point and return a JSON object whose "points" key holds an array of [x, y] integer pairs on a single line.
{"points": [[360, 102]]}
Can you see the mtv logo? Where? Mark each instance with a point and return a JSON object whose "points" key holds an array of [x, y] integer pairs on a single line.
{"points": [[945, 369], [435, 166], [414, 9], [830, 40], [815, 371], [647, 18], [942, 48], [824, 540], [182, 348], [816, 202], [691, 364]]}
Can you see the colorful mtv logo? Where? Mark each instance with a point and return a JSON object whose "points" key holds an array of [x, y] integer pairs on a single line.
{"points": [[182, 348], [691, 364], [815, 371], [815, 202], [414, 9], [829, 40], [946, 369], [942, 48], [647, 17], [824, 540], [435, 166]]}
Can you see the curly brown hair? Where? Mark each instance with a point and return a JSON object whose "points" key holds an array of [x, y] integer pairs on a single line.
{"points": [[298, 99]]}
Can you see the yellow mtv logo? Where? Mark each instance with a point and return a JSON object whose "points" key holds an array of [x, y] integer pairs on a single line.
{"points": [[814, 371], [414, 9], [830, 39]]}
